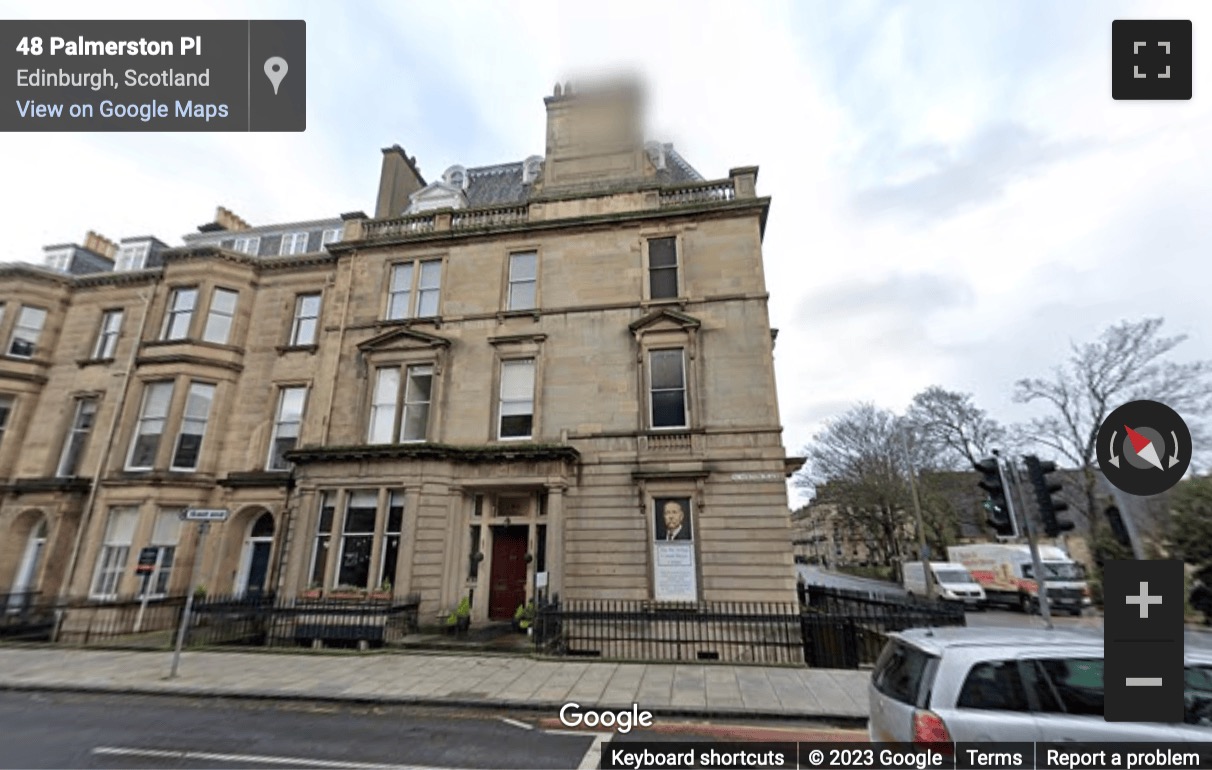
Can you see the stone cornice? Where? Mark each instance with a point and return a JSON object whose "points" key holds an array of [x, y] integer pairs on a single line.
{"points": [[188, 253], [71, 485], [36, 273], [504, 453], [317, 258], [121, 277], [159, 478], [185, 358], [10, 374], [657, 475], [711, 210], [246, 479]]}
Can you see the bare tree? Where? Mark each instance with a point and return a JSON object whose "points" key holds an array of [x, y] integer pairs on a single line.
{"points": [[961, 432], [1126, 363], [860, 462]]}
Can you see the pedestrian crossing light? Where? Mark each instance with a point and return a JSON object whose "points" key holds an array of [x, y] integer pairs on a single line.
{"points": [[1049, 506], [997, 509]]}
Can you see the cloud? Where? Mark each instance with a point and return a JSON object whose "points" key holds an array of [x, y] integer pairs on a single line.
{"points": [[945, 179]]}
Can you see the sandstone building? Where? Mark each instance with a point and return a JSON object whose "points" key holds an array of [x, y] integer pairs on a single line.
{"points": [[555, 371]]}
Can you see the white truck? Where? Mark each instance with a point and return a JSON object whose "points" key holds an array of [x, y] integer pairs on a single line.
{"points": [[952, 582], [1006, 573]]}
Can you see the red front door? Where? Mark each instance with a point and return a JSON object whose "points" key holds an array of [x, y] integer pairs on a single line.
{"points": [[508, 584]]}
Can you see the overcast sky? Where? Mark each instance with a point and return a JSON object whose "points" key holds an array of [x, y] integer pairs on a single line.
{"points": [[955, 194]]}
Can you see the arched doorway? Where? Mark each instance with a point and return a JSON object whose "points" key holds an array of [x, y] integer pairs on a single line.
{"points": [[26, 579], [253, 577]]}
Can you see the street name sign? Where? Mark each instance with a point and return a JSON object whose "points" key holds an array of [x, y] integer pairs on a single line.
{"points": [[205, 514]]}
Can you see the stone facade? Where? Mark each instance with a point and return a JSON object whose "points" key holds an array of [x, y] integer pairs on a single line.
{"points": [[467, 400]]}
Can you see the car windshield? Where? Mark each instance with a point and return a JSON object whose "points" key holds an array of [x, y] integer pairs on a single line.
{"points": [[1059, 570], [953, 576]]}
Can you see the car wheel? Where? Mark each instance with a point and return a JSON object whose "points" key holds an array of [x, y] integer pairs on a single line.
{"points": [[1025, 604]]}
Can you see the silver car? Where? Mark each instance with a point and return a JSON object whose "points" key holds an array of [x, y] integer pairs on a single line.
{"points": [[999, 684]]}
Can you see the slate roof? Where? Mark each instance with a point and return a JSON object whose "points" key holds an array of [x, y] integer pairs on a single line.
{"points": [[501, 185], [497, 185]]}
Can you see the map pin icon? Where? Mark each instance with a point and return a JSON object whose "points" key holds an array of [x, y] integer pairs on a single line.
{"points": [[275, 70]]}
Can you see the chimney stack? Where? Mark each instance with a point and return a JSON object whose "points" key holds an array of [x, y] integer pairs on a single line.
{"points": [[99, 244], [398, 179], [226, 219], [595, 135]]}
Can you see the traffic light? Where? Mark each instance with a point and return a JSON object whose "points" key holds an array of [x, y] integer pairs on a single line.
{"points": [[1044, 489], [996, 507]]}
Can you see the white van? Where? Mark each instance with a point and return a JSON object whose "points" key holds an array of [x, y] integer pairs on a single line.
{"points": [[952, 582]]}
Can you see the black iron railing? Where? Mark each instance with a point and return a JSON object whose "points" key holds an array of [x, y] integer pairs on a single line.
{"points": [[831, 628], [126, 622], [651, 631], [266, 620], [847, 629], [23, 618]]}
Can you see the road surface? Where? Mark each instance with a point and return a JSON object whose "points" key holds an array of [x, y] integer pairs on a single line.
{"points": [[63, 730], [66, 730]]}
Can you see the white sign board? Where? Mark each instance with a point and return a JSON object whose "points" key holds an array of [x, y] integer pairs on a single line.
{"points": [[540, 580], [757, 477], [674, 572], [205, 514]]}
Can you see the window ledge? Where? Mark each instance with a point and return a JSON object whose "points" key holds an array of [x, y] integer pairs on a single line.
{"points": [[532, 313], [680, 301], [25, 359], [435, 321], [536, 338], [83, 362], [309, 349]]}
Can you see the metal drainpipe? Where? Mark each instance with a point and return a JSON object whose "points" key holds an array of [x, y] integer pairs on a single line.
{"points": [[87, 512]]}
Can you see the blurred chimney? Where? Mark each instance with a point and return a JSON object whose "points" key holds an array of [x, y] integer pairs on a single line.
{"points": [[594, 134], [99, 244]]}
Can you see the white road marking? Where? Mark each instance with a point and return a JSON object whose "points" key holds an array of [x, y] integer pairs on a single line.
{"points": [[593, 757], [516, 723], [249, 759]]}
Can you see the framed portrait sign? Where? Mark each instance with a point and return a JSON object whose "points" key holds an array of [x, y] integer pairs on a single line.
{"points": [[671, 519], [673, 564]]}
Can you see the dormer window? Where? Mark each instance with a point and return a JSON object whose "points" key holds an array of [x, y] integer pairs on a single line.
{"points": [[132, 257], [293, 243], [456, 176], [247, 245], [59, 260]]}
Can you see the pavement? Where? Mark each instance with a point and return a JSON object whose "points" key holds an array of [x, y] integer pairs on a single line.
{"points": [[472, 680]]}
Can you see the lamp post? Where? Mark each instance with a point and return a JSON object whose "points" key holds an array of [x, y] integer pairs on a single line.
{"points": [[921, 526]]}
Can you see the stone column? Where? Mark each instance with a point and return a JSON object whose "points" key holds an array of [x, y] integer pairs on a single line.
{"points": [[555, 539]]}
